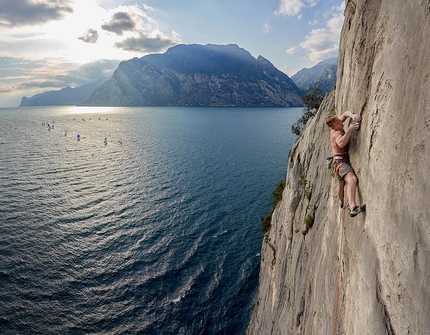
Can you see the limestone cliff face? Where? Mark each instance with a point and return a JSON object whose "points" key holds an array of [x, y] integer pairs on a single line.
{"points": [[383, 283]]}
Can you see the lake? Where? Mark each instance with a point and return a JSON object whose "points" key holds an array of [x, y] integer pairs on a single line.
{"points": [[148, 224]]}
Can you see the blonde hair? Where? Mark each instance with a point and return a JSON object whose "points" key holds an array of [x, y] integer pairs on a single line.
{"points": [[331, 120]]}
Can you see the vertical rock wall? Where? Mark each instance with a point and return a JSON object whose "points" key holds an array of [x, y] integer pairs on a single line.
{"points": [[384, 277]]}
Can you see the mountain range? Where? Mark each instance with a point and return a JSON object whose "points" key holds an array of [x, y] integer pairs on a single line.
{"points": [[322, 75], [65, 96], [197, 75], [193, 75]]}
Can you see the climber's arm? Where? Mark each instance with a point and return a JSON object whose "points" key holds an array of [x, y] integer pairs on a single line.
{"points": [[341, 139], [348, 114]]}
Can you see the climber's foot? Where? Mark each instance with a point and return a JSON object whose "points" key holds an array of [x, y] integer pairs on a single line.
{"points": [[356, 210]]}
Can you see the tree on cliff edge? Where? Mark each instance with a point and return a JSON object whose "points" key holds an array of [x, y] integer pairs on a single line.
{"points": [[313, 101]]}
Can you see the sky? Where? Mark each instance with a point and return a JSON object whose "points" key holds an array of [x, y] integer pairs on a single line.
{"points": [[51, 44]]}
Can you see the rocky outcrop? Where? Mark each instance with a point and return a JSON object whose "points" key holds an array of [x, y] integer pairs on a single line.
{"points": [[197, 75], [368, 274]]}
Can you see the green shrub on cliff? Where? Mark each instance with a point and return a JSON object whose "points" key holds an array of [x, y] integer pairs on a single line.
{"points": [[276, 198]]}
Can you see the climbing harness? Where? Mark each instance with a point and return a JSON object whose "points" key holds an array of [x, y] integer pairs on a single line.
{"points": [[335, 162], [338, 274]]}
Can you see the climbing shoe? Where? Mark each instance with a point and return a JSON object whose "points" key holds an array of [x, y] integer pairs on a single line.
{"points": [[356, 210], [342, 206]]}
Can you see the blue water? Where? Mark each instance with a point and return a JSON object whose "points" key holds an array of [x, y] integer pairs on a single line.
{"points": [[155, 232]]}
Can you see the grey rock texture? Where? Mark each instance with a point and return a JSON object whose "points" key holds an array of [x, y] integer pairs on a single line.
{"points": [[383, 283], [197, 75]]}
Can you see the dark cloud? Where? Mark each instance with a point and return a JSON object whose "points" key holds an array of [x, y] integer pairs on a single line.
{"points": [[15, 13], [120, 23], [91, 36], [146, 43]]}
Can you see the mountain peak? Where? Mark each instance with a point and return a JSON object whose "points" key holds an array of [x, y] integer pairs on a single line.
{"points": [[322, 75], [198, 75]]}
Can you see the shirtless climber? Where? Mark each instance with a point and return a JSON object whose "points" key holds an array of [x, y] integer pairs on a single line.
{"points": [[342, 168]]}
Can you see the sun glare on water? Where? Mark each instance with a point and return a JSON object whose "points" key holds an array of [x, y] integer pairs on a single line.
{"points": [[79, 110]]}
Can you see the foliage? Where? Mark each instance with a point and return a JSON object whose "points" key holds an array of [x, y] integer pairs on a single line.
{"points": [[307, 187], [313, 101], [310, 209], [309, 221], [276, 198]]}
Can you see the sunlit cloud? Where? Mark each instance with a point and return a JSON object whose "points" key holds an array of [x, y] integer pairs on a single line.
{"points": [[322, 43], [119, 33], [294, 7], [291, 51], [69, 42]]}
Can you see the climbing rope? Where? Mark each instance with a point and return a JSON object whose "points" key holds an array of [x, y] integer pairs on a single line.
{"points": [[338, 274]]}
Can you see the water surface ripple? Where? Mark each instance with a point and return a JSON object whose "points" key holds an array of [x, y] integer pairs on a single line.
{"points": [[155, 232]]}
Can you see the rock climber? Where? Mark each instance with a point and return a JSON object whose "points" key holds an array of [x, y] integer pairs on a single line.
{"points": [[340, 161]]}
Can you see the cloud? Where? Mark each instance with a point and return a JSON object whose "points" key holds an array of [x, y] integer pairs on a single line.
{"points": [[19, 74], [291, 51], [90, 72], [266, 27], [120, 22], [294, 7], [321, 44], [147, 43], [141, 32], [42, 84], [57, 53], [74, 74], [324, 43], [91, 36], [18, 13]]}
